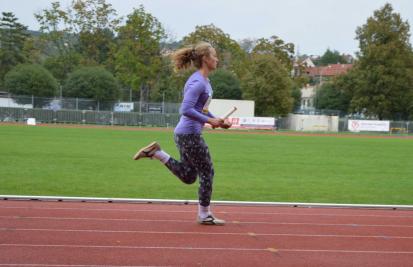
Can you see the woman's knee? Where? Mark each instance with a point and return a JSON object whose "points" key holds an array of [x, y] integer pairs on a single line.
{"points": [[189, 179]]}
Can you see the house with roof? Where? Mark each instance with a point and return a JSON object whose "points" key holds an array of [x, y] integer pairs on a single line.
{"points": [[323, 73], [300, 65], [318, 75]]}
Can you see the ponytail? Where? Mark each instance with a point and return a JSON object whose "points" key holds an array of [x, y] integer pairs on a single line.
{"points": [[191, 56]]}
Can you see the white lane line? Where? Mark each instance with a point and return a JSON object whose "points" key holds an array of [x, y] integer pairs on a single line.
{"points": [[66, 265], [94, 219], [195, 202], [332, 224], [192, 221], [207, 248], [347, 251], [219, 212], [386, 237], [131, 247]]}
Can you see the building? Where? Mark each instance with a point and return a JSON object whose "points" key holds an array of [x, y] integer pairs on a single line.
{"points": [[300, 65], [307, 97], [318, 75], [322, 73]]}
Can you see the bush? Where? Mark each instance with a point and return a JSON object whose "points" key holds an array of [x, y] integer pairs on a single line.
{"points": [[91, 82], [61, 65], [225, 85], [30, 79]]}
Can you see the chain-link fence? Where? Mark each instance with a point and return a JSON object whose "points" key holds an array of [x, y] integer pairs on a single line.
{"points": [[89, 117], [142, 119], [56, 104]]}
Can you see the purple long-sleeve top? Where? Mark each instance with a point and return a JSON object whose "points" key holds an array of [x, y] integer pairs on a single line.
{"points": [[194, 108]]}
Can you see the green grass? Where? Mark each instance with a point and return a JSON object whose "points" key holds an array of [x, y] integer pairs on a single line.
{"points": [[97, 163]]}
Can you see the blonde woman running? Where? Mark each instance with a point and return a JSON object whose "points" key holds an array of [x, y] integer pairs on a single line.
{"points": [[195, 158]]}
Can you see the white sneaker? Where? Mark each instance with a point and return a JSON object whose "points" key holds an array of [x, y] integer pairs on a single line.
{"points": [[210, 220]]}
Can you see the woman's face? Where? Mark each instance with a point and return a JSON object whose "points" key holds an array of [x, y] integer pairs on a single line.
{"points": [[211, 61]]}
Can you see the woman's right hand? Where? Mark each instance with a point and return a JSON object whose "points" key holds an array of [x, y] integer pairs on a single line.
{"points": [[215, 122]]}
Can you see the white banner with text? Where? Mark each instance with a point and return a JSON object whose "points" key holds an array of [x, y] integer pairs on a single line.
{"points": [[253, 122], [368, 125]]}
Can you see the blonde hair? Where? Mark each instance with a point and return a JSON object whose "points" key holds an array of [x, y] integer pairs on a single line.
{"points": [[191, 55]]}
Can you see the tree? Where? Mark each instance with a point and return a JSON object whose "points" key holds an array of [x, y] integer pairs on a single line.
{"points": [[385, 67], [276, 47], [346, 85], [268, 83], [86, 28], [248, 44], [59, 41], [56, 28], [329, 96], [299, 81], [91, 82], [95, 22], [296, 95], [31, 79], [230, 54], [169, 83], [226, 85], [138, 58], [61, 65], [32, 50], [12, 39], [331, 57]]}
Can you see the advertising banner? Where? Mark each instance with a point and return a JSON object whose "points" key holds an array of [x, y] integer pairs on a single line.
{"points": [[253, 122], [123, 107], [367, 125]]}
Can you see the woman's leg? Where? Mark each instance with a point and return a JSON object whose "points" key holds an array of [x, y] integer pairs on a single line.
{"points": [[195, 161], [183, 169], [201, 159]]}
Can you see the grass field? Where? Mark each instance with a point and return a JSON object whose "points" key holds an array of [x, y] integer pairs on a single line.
{"points": [[96, 162]]}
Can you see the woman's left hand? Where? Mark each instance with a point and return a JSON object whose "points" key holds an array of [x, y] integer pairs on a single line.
{"points": [[226, 124]]}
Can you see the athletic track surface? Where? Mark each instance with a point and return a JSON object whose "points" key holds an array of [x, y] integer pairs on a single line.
{"points": [[52, 233]]}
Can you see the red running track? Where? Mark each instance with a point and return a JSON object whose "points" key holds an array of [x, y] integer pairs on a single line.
{"points": [[41, 233]]}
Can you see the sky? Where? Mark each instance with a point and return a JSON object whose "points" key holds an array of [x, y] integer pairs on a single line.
{"points": [[312, 25]]}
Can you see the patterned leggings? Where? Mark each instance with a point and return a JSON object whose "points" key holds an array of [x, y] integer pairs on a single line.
{"points": [[195, 161]]}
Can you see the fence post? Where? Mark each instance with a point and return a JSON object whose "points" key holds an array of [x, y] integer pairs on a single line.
{"points": [[32, 101], [163, 103], [77, 103]]}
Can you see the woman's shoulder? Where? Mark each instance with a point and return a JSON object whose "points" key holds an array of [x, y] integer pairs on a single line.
{"points": [[196, 76], [196, 80]]}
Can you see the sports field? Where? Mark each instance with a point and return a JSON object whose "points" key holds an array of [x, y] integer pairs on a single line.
{"points": [[96, 162]]}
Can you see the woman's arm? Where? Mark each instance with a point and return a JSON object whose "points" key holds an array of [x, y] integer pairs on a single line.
{"points": [[191, 97], [210, 115]]}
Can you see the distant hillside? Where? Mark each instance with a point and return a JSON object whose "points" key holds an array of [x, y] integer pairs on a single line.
{"points": [[34, 33], [171, 46]]}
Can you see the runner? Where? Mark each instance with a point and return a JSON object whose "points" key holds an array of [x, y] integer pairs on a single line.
{"points": [[195, 157]]}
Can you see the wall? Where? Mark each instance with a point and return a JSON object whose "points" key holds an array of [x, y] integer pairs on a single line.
{"points": [[245, 108], [315, 123]]}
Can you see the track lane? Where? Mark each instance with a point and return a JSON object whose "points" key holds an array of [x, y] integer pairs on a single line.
{"points": [[159, 235]]}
